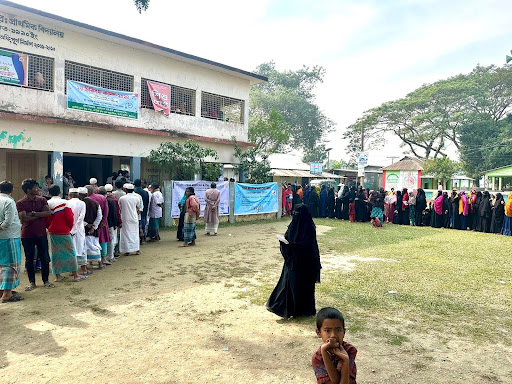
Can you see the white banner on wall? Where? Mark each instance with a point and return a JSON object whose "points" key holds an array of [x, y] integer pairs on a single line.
{"points": [[178, 190]]}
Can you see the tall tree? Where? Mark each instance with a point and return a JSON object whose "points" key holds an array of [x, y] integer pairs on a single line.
{"points": [[434, 115], [485, 144], [291, 94], [315, 154], [269, 134]]}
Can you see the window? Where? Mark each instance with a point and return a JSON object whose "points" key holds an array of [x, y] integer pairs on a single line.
{"points": [[183, 100], [98, 77], [222, 108], [40, 71]]}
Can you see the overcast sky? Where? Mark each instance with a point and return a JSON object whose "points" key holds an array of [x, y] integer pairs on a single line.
{"points": [[373, 50]]}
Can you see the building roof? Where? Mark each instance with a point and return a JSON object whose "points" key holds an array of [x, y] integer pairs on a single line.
{"points": [[505, 171], [287, 161], [118, 38], [299, 173], [454, 177], [406, 164]]}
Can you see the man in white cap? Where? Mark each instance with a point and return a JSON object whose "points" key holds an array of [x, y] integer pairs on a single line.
{"points": [[78, 230], [113, 219], [92, 220], [131, 207], [93, 182]]}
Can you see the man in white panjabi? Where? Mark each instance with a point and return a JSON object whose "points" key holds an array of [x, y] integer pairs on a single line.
{"points": [[211, 211], [78, 230], [130, 206]]}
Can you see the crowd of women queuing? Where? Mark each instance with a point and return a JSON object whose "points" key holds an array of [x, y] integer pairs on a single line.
{"points": [[477, 211]]}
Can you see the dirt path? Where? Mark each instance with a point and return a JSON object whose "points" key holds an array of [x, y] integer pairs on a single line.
{"points": [[177, 315]]}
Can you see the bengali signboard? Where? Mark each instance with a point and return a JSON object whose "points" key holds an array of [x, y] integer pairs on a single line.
{"points": [[178, 190], [255, 198], [20, 32], [89, 98], [160, 96], [13, 68]]}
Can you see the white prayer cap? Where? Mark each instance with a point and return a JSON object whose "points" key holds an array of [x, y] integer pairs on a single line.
{"points": [[129, 186], [92, 180], [83, 191], [73, 190], [109, 187]]}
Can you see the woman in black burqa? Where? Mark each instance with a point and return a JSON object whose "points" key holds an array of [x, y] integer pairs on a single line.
{"points": [[294, 294]]}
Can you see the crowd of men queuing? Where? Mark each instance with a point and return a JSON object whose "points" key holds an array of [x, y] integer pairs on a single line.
{"points": [[90, 227], [477, 211]]}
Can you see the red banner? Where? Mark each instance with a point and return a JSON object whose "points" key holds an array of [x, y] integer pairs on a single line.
{"points": [[160, 96]]}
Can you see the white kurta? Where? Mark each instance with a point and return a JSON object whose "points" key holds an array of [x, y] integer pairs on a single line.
{"points": [[78, 230], [129, 237]]}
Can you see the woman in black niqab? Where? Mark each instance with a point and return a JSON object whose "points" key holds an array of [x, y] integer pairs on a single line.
{"points": [[485, 212], [498, 214], [397, 217], [314, 202], [294, 294], [330, 203], [344, 203]]}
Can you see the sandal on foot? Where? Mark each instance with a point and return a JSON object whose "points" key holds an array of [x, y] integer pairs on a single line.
{"points": [[49, 285], [13, 299], [80, 278], [183, 246], [60, 279], [89, 272], [31, 287], [137, 253]]}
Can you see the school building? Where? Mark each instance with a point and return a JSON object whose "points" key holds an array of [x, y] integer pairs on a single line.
{"points": [[42, 133]]}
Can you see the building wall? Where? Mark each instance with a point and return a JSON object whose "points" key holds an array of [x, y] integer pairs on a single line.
{"points": [[30, 135], [126, 58]]}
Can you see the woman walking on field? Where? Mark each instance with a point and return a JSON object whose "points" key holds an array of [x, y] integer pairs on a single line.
{"points": [[294, 294]]}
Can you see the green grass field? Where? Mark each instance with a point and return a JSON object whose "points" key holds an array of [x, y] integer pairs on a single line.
{"points": [[451, 283]]}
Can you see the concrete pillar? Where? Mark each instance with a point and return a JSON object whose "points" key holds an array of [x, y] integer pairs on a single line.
{"points": [[135, 168], [493, 183], [167, 192], [3, 164], [197, 176], [57, 167], [500, 183], [198, 102], [232, 202]]}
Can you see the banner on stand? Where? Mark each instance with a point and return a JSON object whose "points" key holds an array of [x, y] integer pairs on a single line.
{"points": [[255, 198], [178, 190]]}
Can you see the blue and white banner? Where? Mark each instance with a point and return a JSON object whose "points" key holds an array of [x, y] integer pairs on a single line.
{"points": [[255, 198], [89, 98], [178, 190]]}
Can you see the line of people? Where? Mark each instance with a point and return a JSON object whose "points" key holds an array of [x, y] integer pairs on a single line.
{"points": [[92, 225], [477, 211]]}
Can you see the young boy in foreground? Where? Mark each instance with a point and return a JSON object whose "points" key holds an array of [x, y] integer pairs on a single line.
{"points": [[335, 361]]}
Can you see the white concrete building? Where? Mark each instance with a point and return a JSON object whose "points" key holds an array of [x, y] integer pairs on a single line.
{"points": [[39, 135]]}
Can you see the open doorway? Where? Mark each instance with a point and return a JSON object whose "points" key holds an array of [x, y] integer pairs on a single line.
{"points": [[84, 167]]}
